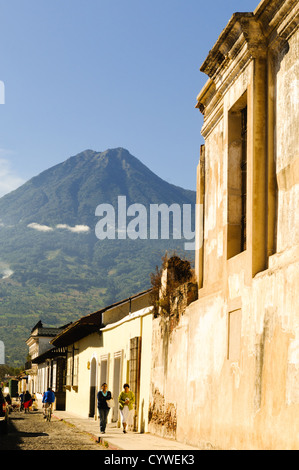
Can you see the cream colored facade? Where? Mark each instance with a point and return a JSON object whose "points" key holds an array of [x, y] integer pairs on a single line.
{"points": [[119, 351], [228, 376], [37, 378]]}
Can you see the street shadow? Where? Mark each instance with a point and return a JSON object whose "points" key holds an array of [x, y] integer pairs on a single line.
{"points": [[14, 438]]}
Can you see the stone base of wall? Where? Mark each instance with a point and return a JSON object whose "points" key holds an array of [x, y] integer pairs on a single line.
{"points": [[162, 417]]}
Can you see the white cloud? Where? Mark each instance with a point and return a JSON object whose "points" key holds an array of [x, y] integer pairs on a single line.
{"points": [[40, 228], [5, 271], [75, 229], [46, 228], [8, 179]]}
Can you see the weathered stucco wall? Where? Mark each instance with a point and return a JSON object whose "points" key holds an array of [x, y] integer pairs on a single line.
{"points": [[204, 397], [287, 112], [227, 377]]}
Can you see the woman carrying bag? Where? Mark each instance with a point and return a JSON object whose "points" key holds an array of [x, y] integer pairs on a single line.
{"points": [[126, 400], [104, 404]]}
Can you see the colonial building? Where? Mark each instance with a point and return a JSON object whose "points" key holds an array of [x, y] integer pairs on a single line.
{"points": [[46, 367], [51, 368], [227, 377], [112, 345]]}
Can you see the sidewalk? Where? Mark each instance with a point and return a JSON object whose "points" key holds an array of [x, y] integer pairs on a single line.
{"points": [[115, 439]]}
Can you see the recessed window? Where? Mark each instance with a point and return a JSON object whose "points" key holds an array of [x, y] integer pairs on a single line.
{"points": [[72, 367], [237, 178], [104, 371]]}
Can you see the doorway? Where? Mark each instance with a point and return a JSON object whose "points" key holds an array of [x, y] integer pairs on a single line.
{"points": [[92, 393], [116, 385]]}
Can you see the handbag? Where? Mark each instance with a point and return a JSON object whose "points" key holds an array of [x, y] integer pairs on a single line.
{"points": [[110, 403]]}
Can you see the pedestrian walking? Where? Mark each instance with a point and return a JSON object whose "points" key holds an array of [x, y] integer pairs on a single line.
{"points": [[27, 401], [103, 396], [126, 400], [47, 401], [8, 401], [21, 398]]}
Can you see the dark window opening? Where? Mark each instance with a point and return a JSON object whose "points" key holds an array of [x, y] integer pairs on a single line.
{"points": [[243, 177], [237, 178]]}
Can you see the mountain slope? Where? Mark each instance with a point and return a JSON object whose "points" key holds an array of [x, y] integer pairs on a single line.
{"points": [[69, 192], [52, 264]]}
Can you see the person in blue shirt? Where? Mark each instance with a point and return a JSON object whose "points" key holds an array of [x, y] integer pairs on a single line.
{"points": [[48, 400]]}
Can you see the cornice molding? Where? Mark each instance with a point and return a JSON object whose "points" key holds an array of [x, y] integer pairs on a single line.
{"points": [[243, 31], [247, 36]]}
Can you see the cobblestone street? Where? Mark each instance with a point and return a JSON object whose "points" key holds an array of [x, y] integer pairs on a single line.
{"points": [[31, 432]]}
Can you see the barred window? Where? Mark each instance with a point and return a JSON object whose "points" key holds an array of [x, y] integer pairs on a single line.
{"points": [[72, 367]]}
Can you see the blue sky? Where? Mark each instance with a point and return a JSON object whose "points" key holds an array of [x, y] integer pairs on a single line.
{"points": [[99, 74]]}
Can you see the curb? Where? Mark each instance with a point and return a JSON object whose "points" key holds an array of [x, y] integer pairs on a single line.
{"points": [[102, 441], [98, 439]]}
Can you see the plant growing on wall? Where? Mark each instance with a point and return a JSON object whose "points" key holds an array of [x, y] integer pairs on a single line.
{"points": [[165, 295]]}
